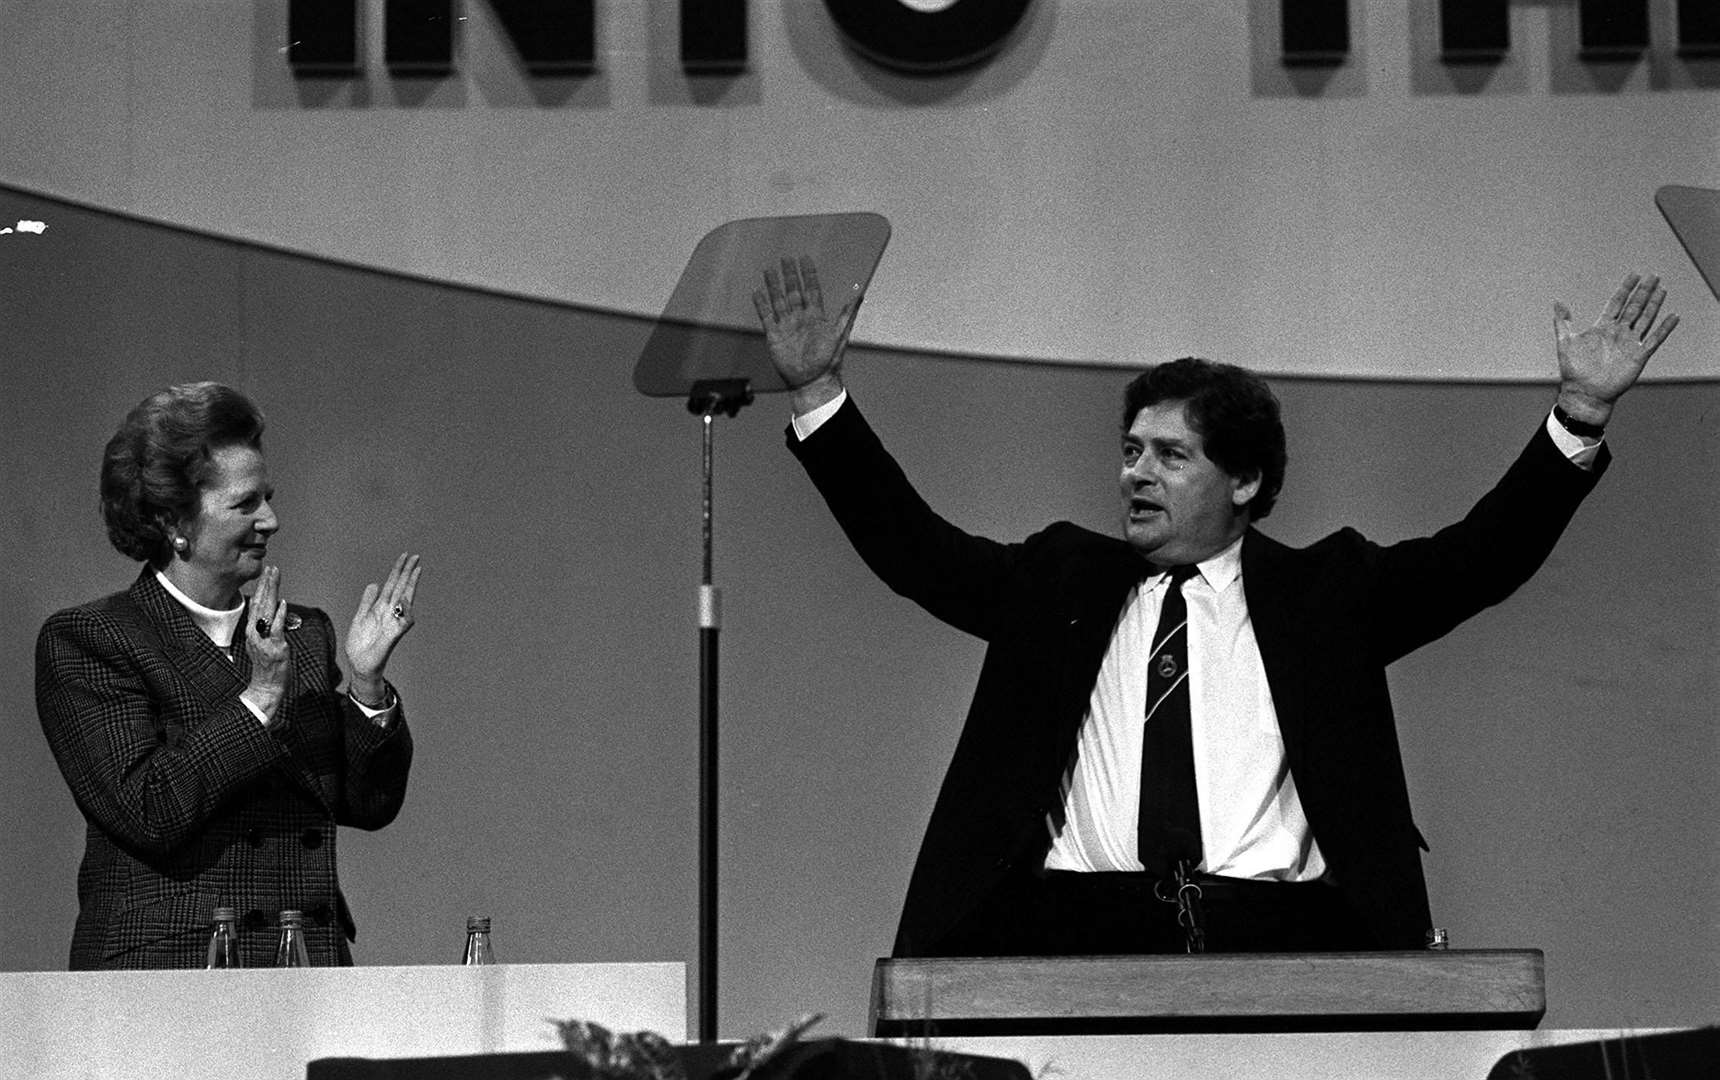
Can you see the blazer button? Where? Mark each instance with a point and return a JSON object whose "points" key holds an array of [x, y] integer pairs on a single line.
{"points": [[254, 837], [312, 839], [255, 920], [320, 914]]}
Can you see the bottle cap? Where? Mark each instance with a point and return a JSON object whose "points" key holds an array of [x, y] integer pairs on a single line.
{"points": [[226, 914], [292, 918], [477, 924]]}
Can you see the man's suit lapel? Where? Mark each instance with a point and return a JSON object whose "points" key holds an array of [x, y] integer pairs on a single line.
{"points": [[1268, 583], [1094, 593], [1090, 597]]}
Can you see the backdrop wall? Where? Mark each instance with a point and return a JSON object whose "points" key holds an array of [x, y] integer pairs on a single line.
{"points": [[1561, 748]]}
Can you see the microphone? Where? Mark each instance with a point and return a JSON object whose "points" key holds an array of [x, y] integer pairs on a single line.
{"points": [[1173, 860]]}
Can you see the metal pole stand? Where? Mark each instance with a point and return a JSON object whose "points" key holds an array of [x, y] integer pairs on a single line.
{"points": [[706, 399]]}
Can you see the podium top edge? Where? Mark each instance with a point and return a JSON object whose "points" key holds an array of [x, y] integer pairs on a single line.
{"points": [[1432, 955]]}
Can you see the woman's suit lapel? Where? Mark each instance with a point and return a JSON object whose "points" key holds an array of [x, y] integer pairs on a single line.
{"points": [[217, 679]]}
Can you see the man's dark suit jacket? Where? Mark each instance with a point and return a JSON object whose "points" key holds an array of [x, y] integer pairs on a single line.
{"points": [[189, 802], [1328, 619]]}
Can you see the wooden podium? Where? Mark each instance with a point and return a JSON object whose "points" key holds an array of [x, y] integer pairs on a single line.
{"points": [[1432, 990]]}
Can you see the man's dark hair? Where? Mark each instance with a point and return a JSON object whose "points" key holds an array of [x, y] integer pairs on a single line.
{"points": [[1234, 412], [156, 464]]}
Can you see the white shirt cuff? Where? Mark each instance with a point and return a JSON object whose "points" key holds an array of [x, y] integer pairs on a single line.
{"points": [[1580, 451], [807, 423], [380, 717], [262, 717]]}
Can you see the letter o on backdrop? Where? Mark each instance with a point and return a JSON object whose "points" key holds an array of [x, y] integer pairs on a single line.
{"points": [[927, 37]]}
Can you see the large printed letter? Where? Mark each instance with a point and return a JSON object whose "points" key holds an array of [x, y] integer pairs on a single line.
{"points": [[927, 37]]}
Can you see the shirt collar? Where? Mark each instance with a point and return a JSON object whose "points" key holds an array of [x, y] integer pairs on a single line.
{"points": [[1218, 570], [217, 626]]}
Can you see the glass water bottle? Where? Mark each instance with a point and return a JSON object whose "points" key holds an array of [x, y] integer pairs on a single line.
{"points": [[478, 941], [291, 952], [224, 940]]}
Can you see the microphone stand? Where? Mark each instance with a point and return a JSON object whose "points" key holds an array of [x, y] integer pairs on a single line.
{"points": [[707, 398]]}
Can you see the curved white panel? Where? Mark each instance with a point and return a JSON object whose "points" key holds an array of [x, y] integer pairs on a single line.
{"points": [[1126, 182]]}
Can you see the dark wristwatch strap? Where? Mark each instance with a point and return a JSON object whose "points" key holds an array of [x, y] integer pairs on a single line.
{"points": [[1577, 427]]}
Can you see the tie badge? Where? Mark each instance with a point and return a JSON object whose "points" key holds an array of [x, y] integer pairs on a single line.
{"points": [[1167, 666]]}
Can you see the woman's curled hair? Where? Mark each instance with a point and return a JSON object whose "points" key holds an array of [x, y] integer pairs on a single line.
{"points": [[156, 464]]}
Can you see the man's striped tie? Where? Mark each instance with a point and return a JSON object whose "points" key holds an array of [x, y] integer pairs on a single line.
{"points": [[1170, 810]]}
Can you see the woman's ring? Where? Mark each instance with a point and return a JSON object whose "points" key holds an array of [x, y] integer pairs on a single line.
{"points": [[399, 612], [262, 628]]}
